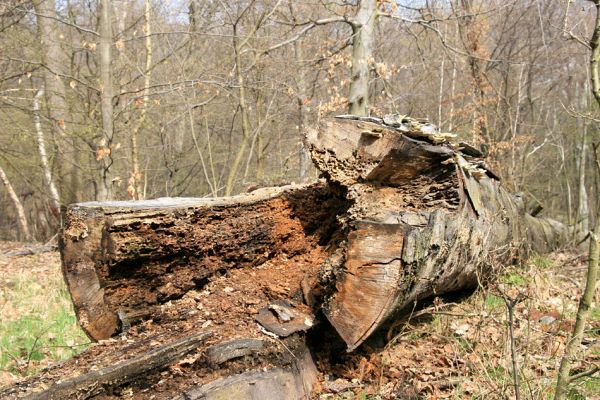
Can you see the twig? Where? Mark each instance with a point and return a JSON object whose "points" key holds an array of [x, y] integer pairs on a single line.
{"points": [[511, 303], [584, 374]]}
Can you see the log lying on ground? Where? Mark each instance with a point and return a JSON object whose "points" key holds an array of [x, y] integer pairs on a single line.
{"points": [[425, 221], [170, 267], [122, 260], [405, 216], [91, 383]]}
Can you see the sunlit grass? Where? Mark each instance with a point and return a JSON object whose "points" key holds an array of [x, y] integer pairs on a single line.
{"points": [[37, 324]]}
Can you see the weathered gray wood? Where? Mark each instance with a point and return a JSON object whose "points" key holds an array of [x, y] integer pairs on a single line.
{"points": [[90, 384], [222, 352], [294, 382], [424, 221]]}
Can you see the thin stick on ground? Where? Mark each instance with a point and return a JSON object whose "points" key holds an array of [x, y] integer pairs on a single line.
{"points": [[511, 303]]}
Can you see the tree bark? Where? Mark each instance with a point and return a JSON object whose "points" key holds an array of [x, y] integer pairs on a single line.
{"points": [[21, 219], [106, 95], [43, 157], [363, 28], [237, 161], [424, 221], [135, 181]]}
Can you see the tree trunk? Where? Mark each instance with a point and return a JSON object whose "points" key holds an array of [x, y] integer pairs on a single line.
{"points": [[363, 28], [235, 166], [472, 32], [106, 94], [54, 61], [424, 221], [21, 219], [135, 181], [43, 157]]}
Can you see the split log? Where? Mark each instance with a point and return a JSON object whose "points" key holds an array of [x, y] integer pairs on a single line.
{"points": [[122, 260], [424, 221], [405, 215]]}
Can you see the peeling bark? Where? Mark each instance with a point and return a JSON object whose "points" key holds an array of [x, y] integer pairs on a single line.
{"points": [[424, 222]]}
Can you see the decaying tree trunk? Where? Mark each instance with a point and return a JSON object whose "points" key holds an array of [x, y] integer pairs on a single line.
{"points": [[424, 220], [405, 215]]}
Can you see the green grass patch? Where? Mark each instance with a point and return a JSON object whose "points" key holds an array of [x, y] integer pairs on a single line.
{"points": [[38, 324], [493, 302], [513, 279], [541, 261]]}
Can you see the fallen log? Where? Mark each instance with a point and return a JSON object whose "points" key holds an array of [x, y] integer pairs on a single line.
{"points": [[92, 383], [405, 215], [425, 220], [122, 260]]}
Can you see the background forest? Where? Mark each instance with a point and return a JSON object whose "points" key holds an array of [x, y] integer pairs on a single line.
{"points": [[131, 99]]}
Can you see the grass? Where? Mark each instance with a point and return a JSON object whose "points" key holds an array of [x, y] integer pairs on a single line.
{"points": [[38, 325]]}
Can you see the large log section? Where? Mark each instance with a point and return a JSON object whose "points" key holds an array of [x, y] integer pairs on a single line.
{"points": [[122, 260], [424, 220], [404, 215]]}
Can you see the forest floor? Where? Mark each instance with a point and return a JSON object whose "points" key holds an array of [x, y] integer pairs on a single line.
{"points": [[446, 351]]}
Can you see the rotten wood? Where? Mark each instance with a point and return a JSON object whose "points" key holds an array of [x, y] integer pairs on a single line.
{"points": [[293, 382], [222, 352], [424, 221], [94, 382], [121, 260]]}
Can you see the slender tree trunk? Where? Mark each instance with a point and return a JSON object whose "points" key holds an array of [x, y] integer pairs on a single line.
{"points": [[472, 33], [55, 92], [43, 157], [564, 372], [229, 186], [362, 56], [135, 181], [303, 154], [583, 211], [583, 311], [106, 92], [21, 219]]}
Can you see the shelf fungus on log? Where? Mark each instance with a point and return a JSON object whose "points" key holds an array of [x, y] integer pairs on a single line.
{"points": [[423, 222]]}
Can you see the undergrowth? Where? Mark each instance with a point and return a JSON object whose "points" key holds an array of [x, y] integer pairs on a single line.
{"points": [[37, 324], [462, 350]]}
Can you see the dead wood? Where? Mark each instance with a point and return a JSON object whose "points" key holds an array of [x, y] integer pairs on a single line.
{"points": [[94, 382], [294, 382], [121, 260], [405, 216], [221, 352], [424, 221]]}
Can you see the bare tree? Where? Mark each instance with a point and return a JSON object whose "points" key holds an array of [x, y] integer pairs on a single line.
{"points": [[106, 94], [21, 219]]}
